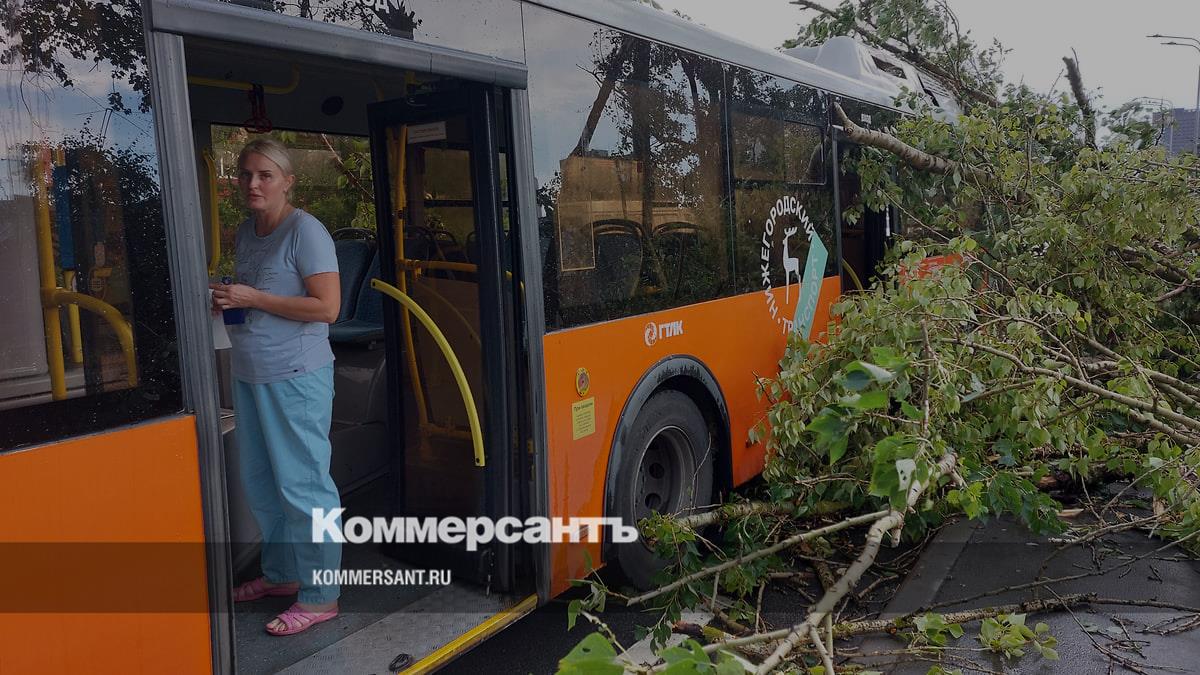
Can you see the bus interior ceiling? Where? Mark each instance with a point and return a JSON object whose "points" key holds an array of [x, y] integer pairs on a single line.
{"points": [[425, 469]]}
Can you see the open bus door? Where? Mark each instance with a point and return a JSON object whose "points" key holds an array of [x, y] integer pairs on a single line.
{"points": [[441, 209]]}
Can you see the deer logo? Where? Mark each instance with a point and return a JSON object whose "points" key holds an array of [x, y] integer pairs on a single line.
{"points": [[791, 265], [786, 206]]}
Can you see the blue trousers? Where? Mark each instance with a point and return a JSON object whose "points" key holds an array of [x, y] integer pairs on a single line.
{"points": [[283, 450]]}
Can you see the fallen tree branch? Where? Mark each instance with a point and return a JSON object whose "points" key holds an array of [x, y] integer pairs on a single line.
{"points": [[917, 159], [755, 555], [1124, 400], [855, 628], [1108, 529], [826, 658], [729, 512], [850, 577]]}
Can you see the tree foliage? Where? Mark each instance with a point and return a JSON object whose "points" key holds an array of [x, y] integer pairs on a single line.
{"points": [[1036, 318]]}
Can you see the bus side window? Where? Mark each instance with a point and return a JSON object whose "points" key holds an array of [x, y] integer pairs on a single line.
{"points": [[779, 167], [633, 179], [88, 337]]}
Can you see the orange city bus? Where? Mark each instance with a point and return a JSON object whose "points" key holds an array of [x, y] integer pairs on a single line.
{"points": [[571, 234]]}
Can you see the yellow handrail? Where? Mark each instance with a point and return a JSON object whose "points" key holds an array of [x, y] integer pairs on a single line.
{"points": [[397, 148], [419, 265], [853, 275], [247, 86], [59, 297], [48, 279], [414, 264], [54, 298], [214, 215], [459, 376]]}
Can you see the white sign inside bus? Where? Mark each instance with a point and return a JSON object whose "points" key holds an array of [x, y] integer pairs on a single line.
{"points": [[424, 133]]}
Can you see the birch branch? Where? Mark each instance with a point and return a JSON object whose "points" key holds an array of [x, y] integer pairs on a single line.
{"points": [[917, 159], [851, 576], [755, 555]]}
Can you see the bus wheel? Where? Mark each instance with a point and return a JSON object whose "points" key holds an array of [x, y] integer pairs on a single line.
{"points": [[667, 467]]}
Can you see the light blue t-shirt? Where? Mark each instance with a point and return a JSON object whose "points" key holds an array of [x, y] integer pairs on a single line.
{"points": [[268, 347]]}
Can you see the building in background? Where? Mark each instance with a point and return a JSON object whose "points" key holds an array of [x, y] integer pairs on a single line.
{"points": [[1179, 130]]}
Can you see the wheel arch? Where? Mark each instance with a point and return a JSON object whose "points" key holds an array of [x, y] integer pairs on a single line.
{"points": [[691, 377]]}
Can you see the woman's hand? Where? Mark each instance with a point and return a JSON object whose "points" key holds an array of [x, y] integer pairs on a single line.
{"points": [[234, 296]]}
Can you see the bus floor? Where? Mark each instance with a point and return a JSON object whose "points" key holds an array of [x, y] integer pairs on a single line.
{"points": [[375, 623]]}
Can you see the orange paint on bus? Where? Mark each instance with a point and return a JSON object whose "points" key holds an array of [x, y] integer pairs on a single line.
{"points": [[104, 563], [737, 338]]}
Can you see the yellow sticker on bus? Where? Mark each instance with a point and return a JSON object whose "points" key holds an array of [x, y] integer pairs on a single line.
{"points": [[583, 418]]}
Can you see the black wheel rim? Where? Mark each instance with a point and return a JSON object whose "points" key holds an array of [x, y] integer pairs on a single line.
{"points": [[661, 476]]}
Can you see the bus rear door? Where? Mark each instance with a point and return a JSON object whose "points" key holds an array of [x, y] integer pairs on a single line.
{"points": [[441, 208]]}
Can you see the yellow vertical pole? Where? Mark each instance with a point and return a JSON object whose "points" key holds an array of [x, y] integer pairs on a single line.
{"points": [[48, 278], [69, 281], [398, 143]]}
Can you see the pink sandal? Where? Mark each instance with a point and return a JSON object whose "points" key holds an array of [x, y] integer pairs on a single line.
{"points": [[257, 588], [297, 620]]}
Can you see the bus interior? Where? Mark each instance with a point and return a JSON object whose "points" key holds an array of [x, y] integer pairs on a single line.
{"points": [[391, 164], [866, 238]]}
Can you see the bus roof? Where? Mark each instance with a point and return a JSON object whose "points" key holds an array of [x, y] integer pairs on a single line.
{"points": [[859, 79]]}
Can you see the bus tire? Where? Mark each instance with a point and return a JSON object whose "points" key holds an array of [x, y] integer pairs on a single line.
{"points": [[667, 467]]}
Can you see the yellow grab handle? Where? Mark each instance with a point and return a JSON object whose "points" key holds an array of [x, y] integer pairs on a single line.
{"points": [[455, 367], [247, 86], [58, 297], [853, 275], [214, 215]]}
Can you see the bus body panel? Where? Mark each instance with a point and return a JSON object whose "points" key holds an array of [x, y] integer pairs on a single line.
{"points": [[105, 554], [737, 338]]}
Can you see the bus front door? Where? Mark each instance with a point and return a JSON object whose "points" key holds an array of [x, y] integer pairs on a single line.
{"points": [[441, 212]]}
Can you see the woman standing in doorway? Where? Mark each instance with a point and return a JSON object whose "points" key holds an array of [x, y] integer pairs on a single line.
{"points": [[289, 290]]}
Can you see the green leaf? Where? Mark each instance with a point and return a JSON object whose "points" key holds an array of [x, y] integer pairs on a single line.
{"points": [[867, 400], [677, 654], [573, 609], [864, 372], [729, 666], [594, 655], [911, 411], [856, 380], [837, 449]]}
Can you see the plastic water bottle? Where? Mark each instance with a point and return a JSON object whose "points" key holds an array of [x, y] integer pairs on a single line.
{"points": [[232, 316]]}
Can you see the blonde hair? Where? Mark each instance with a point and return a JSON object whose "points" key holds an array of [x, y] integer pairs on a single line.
{"points": [[271, 149]]}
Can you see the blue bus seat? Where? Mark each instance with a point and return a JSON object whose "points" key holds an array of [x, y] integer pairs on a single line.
{"points": [[353, 258], [366, 323]]}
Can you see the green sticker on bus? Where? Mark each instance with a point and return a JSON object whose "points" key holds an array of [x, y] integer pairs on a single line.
{"points": [[810, 287]]}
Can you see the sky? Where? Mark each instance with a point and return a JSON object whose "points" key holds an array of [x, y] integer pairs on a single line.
{"points": [[1109, 35]]}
